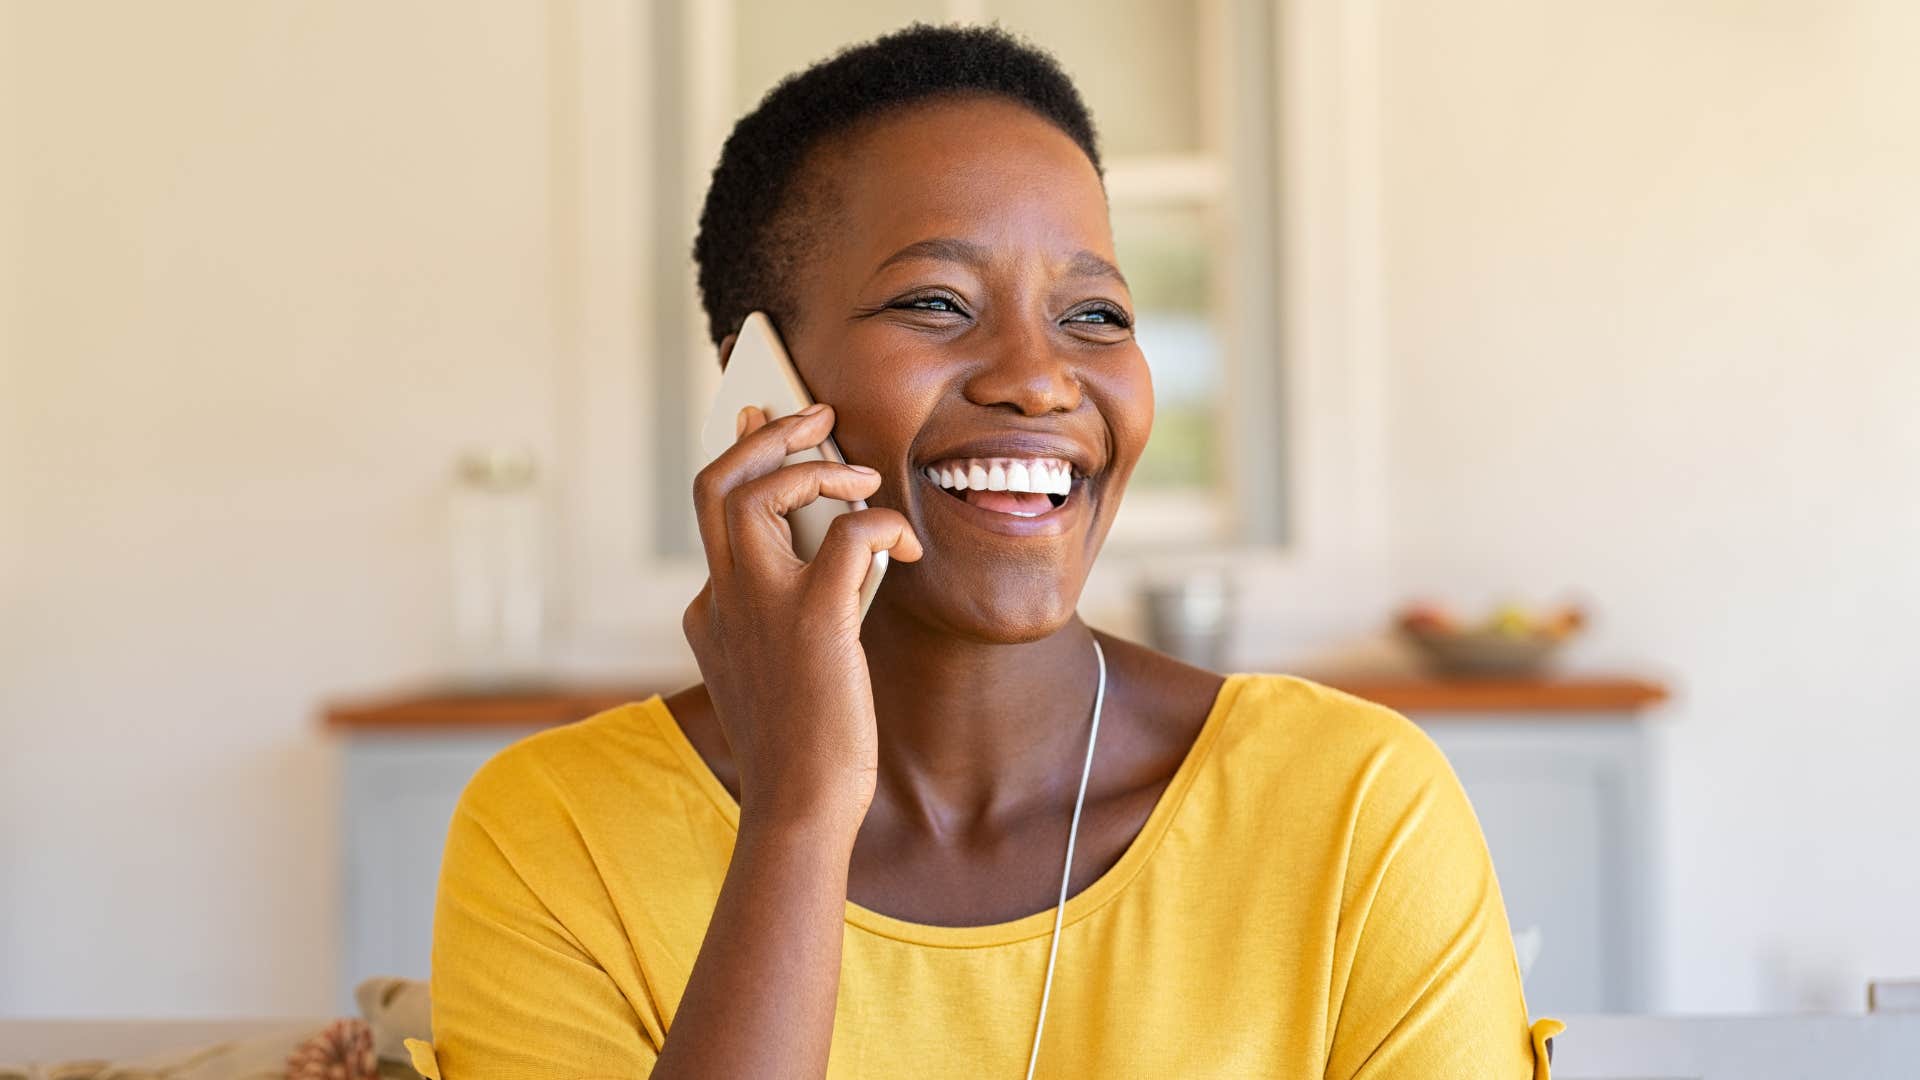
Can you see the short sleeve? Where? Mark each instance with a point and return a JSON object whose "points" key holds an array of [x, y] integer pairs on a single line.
{"points": [[1427, 981], [516, 996]]}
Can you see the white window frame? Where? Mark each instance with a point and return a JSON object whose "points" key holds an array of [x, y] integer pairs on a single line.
{"points": [[626, 357]]}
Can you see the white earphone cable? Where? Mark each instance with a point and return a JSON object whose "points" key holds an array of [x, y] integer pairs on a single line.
{"points": [[1066, 875]]}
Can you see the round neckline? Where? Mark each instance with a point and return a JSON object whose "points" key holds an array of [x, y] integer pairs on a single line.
{"points": [[1038, 924]]}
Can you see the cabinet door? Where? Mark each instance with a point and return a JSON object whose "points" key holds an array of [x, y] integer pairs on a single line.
{"points": [[1564, 811], [399, 795], [1562, 805], [1738, 1047]]}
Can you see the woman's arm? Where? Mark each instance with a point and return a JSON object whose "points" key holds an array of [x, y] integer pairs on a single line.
{"points": [[534, 977], [760, 1002], [778, 642]]}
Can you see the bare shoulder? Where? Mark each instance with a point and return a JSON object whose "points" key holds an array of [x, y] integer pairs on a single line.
{"points": [[1164, 702], [1158, 683]]}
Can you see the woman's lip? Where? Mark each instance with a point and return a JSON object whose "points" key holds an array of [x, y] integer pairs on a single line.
{"points": [[1021, 446], [1056, 521]]}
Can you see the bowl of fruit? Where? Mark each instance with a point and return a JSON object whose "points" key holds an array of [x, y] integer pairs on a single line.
{"points": [[1511, 640]]}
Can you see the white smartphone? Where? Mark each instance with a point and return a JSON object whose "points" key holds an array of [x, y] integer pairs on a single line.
{"points": [[759, 372]]}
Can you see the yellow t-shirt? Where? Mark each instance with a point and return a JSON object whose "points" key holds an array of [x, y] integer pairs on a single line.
{"points": [[1311, 897]]}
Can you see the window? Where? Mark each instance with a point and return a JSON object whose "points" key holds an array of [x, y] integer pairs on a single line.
{"points": [[1176, 87], [1275, 471]]}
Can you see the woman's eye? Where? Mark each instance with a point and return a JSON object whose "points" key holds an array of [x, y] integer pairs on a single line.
{"points": [[929, 303], [1102, 316]]}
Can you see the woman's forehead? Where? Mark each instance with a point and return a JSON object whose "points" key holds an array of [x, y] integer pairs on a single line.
{"points": [[981, 172]]}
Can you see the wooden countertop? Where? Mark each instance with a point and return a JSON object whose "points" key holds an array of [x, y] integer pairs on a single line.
{"points": [[452, 709], [1589, 694], [1567, 698]]}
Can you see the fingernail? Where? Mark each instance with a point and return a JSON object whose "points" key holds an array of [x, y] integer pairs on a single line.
{"points": [[864, 469], [740, 422], [813, 408]]}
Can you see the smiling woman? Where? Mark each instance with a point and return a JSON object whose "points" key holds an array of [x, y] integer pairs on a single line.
{"points": [[841, 854]]}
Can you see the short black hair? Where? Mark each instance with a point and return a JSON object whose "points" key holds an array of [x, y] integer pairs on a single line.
{"points": [[752, 227]]}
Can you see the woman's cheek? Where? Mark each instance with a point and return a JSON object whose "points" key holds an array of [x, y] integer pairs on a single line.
{"points": [[881, 408], [1129, 410]]}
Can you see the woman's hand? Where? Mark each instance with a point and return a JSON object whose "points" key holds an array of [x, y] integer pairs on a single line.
{"points": [[778, 638]]}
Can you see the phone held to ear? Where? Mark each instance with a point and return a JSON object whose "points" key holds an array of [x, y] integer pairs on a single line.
{"points": [[759, 372]]}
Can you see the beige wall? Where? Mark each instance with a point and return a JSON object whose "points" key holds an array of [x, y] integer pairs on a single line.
{"points": [[1651, 273], [271, 266]]}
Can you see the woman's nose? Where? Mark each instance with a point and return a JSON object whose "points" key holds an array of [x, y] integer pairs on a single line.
{"points": [[1026, 371]]}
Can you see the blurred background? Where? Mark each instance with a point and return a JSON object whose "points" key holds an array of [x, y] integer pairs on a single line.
{"points": [[350, 369]]}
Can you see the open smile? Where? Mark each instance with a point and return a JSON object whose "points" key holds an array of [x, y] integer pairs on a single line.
{"points": [[1014, 496]]}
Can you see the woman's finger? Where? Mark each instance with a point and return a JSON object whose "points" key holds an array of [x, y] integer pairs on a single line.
{"points": [[757, 510], [847, 552], [760, 450], [752, 419]]}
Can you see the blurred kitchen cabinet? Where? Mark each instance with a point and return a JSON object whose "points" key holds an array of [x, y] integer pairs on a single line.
{"points": [[1558, 776], [398, 791], [1565, 811], [1758, 1047]]}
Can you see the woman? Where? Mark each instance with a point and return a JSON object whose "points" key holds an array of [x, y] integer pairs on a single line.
{"points": [[841, 854]]}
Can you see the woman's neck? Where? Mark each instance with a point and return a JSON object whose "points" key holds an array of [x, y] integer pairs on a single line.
{"points": [[972, 732]]}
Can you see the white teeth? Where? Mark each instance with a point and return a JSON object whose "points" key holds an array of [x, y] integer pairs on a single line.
{"points": [[1044, 476]]}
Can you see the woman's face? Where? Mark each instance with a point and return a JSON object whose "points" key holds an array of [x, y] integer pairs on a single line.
{"points": [[961, 311]]}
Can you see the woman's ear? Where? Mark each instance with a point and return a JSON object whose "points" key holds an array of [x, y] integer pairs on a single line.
{"points": [[726, 349]]}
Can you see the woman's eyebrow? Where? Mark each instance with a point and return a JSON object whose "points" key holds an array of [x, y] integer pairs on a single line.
{"points": [[942, 248], [953, 249], [1087, 264]]}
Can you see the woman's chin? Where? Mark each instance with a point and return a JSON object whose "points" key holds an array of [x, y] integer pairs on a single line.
{"points": [[1004, 612]]}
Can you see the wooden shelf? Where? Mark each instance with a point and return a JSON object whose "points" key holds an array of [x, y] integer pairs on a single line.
{"points": [[452, 711], [1621, 696], [551, 706]]}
